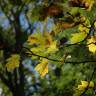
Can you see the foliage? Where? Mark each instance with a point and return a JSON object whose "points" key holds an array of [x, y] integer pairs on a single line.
{"points": [[47, 47], [11, 65]]}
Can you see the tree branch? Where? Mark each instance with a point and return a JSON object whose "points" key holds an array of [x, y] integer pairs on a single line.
{"points": [[91, 33], [56, 60]]}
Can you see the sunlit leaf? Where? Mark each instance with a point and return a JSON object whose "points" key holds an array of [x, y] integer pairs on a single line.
{"points": [[36, 38], [89, 4], [78, 37], [85, 84], [42, 67], [83, 29], [44, 44], [13, 62], [52, 48], [91, 44]]}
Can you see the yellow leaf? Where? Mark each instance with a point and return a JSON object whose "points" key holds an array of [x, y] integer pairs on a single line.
{"points": [[89, 4], [52, 48], [92, 46], [13, 62], [44, 43], [80, 87], [37, 49], [84, 85], [57, 28], [36, 38], [91, 84], [83, 29], [78, 37], [48, 38], [95, 24], [32, 40], [42, 67], [40, 50]]}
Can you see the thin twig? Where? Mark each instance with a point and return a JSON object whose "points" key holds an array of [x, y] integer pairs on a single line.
{"points": [[73, 62], [69, 45], [91, 28]]}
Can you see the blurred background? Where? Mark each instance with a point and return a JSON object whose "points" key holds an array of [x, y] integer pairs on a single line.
{"points": [[21, 18]]}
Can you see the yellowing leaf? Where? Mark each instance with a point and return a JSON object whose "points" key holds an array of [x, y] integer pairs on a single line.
{"points": [[78, 37], [81, 88], [36, 38], [40, 39], [84, 85], [52, 48], [95, 24], [37, 49], [92, 46], [42, 67], [48, 38], [57, 28], [32, 40], [41, 51], [89, 4], [83, 29], [91, 84], [44, 42], [13, 62]]}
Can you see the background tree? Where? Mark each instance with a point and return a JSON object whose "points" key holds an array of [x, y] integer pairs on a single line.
{"points": [[37, 34]]}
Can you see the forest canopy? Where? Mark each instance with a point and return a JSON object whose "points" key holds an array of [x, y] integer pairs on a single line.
{"points": [[47, 47]]}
